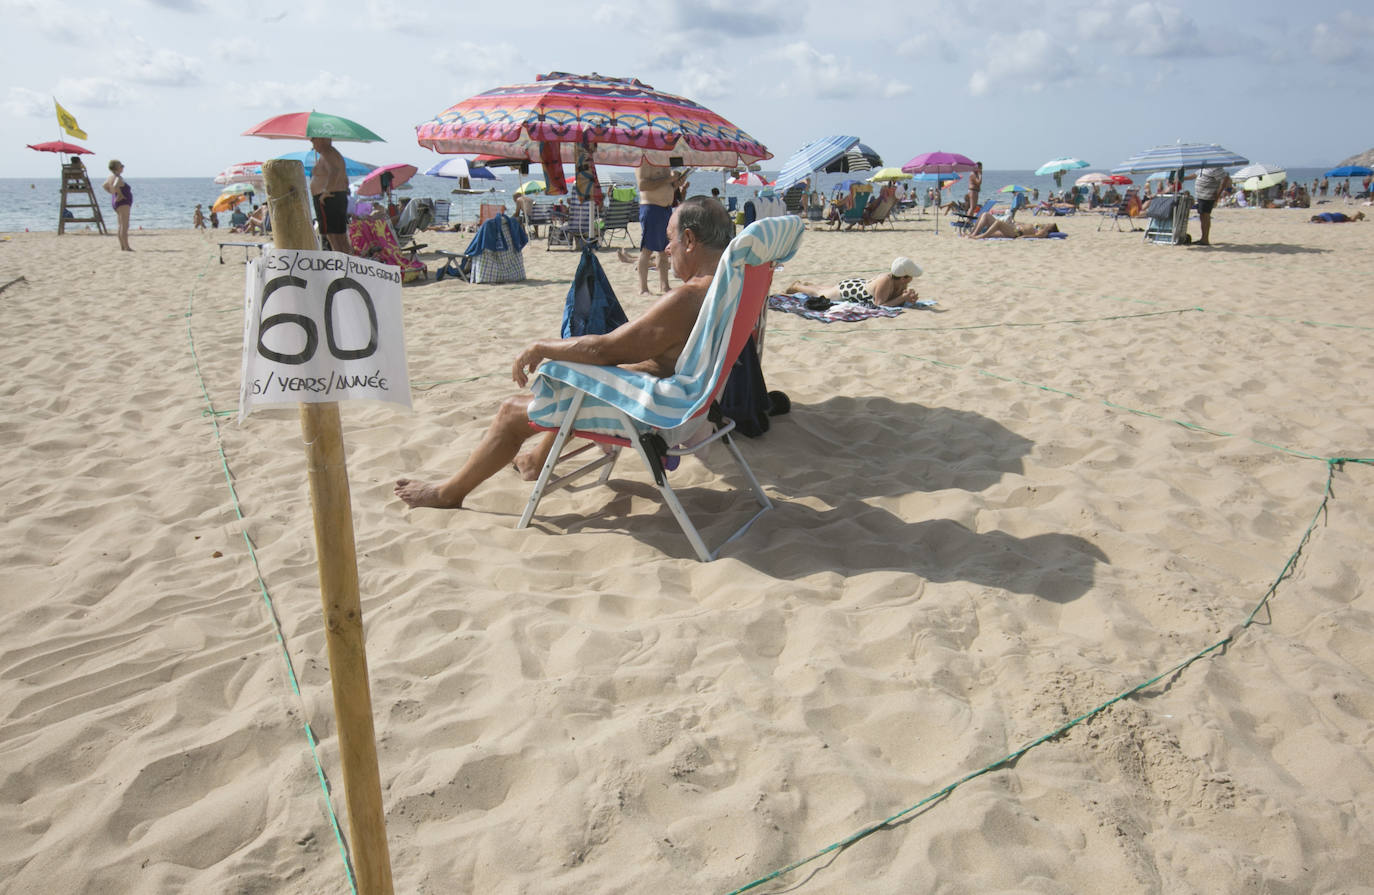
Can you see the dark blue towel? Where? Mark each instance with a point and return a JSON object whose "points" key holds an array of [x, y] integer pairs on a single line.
{"points": [[491, 237], [592, 308]]}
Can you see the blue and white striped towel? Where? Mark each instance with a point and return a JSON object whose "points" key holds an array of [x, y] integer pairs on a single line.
{"points": [[667, 404]]}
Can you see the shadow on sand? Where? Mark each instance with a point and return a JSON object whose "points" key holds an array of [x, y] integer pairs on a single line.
{"points": [[869, 448]]}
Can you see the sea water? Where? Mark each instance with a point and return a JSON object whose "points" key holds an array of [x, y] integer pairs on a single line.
{"points": [[162, 203]]}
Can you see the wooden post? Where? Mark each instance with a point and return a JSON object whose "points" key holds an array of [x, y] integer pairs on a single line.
{"points": [[288, 204]]}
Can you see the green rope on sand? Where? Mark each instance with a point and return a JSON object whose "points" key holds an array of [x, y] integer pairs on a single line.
{"points": [[213, 416], [1332, 464]]}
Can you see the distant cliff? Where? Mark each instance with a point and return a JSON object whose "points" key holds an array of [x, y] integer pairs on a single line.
{"points": [[1365, 158]]}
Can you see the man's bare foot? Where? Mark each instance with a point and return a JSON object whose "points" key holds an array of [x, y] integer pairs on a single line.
{"points": [[625, 257], [528, 466], [422, 494]]}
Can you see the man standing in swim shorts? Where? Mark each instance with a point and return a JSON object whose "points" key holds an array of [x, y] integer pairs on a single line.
{"points": [[657, 185], [329, 187]]}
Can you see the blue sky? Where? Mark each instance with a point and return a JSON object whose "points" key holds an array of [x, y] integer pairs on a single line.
{"points": [[168, 85]]}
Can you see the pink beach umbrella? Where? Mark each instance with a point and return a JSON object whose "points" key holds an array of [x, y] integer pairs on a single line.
{"points": [[376, 182], [939, 163], [749, 178]]}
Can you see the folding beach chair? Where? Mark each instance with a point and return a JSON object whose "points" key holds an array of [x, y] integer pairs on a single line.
{"points": [[964, 221], [619, 215], [1168, 219], [664, 419], [578, 230]]}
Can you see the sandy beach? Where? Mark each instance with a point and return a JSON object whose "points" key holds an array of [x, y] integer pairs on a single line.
{"points": [[1090, 462]]}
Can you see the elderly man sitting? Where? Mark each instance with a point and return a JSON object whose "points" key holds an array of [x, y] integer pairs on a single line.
{"points": [[699, 231]]}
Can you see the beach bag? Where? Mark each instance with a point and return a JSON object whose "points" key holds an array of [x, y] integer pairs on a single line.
{"points": [[499, 261], [1161, 208], [745, 398], [591, 308]]}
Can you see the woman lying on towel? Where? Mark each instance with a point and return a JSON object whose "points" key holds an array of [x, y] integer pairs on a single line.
{"points": [[989, 227], [887, 290]]}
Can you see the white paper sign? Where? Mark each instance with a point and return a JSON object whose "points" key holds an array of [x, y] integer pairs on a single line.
{"points": [[321, 326]]}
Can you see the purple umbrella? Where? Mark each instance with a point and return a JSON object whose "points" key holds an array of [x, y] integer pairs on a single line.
{"points": [[939, 163]]}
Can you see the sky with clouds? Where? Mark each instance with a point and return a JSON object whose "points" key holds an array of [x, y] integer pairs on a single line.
{"points": [[167, 86]]}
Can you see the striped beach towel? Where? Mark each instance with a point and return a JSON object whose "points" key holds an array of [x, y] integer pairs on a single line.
{"points": [[670, 403]]}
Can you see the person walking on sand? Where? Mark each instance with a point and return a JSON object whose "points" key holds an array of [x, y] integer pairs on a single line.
{"points": [[699, 231], [329, 187], [658, 186], [122, 199], [198, 218]]}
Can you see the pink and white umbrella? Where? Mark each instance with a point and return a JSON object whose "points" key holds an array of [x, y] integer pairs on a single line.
{"points": [[243, 172], [749, 178], [376, 183]]}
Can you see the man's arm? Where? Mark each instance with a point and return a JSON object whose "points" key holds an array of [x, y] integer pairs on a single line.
{"points": [[647, 337]]}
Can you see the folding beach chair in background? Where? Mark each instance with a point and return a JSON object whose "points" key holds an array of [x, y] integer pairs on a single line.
{"points": [[964, 221], [619, 215]]}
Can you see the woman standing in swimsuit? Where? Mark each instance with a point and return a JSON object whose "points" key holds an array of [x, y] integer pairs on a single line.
{"points": [[122, 198]]}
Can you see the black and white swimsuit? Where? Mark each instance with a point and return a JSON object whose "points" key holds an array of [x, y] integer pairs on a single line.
{"points": [[855, 289]]}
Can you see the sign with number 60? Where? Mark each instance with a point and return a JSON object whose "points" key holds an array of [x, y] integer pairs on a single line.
{"points": [[293, 298]]}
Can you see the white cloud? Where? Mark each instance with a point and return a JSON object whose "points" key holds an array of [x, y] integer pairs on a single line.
{"points": [[1163, 31], [20, 102], [470, 68], [323, 90], [161, 67], [1032, 61], [810, 73], [100, 93], [237, 51], [1345, 41], [59, 21]]}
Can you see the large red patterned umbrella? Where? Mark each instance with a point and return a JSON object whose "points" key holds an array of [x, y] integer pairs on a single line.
{"points": [[624, 121]]}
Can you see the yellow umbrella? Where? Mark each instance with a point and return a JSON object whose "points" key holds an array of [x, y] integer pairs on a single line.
{"points": [[227, 201], [884, 174], [530, 186]]}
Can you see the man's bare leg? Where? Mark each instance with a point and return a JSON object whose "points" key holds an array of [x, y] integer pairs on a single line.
{"points": [[531, 463], [495, 452], [645, 258], [663, 271]]}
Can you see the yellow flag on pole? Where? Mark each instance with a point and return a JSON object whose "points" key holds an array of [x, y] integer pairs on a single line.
{"points": [[68, 122]]}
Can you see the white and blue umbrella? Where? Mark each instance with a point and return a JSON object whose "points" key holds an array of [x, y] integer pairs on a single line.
{"points": [[459, 167], [1180, 155], [812, 157], [309, 157], [1060, 165]]}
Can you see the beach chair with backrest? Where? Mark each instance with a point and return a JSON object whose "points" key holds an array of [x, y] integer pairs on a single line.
{"points": [[441, 213], [1127, 209], [578, 230], [880, 213], [619, 215], [964, 221], [665, 419], [1168, 216], [372, 237], [856, 214]]}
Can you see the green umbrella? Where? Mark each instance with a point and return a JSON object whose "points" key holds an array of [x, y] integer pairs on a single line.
{"points": [[530, 186], [1013, 188], [305, 125]]}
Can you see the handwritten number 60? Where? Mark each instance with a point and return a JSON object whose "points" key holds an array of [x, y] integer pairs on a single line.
{"points": [[308, 327]]}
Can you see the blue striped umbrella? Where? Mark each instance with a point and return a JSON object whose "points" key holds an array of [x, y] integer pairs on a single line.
{"points": [[1180, 155], [812, 157], [309, 157]]}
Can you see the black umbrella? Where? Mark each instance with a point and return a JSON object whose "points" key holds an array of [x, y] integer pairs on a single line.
{"points": [[860, 158]]}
